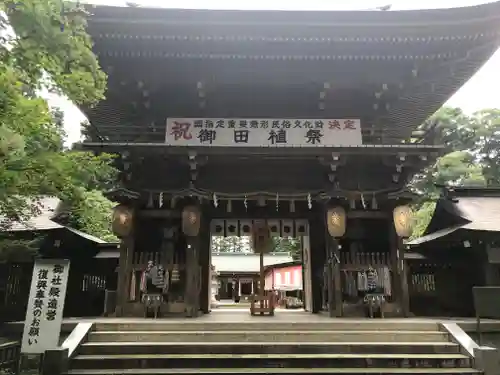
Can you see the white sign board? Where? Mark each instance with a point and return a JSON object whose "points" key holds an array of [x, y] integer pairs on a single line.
{"points": [[45, 305], [263, 132]]}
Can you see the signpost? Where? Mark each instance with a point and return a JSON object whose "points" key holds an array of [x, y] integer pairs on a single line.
{"points": [[44, 313], [262, 132]]}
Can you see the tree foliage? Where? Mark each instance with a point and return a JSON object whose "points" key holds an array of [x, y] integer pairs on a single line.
{"points": [[92, 214], [231, 244], [49, 49], [473, 160], [290, 245], [235, 244]]}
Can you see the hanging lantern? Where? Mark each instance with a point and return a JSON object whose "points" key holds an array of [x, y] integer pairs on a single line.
{"points": [[191, 221], [261, 237], [336, 220], [403, 221], [122, 221]]}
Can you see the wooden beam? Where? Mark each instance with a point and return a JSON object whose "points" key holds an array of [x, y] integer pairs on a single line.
{"points": [[158, 213], [162, 148], [367, 215]]}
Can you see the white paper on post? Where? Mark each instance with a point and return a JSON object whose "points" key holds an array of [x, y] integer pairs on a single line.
{"points": [[44, 312]]}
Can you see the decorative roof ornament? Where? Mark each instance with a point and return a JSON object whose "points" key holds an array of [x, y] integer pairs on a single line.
{"points": [[215, 199], [245, 203], [277, 202], [309, 201], [160, 200]]}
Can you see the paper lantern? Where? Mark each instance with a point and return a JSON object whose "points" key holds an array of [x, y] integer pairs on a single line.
{"points": [[122, 221], [261, 237], [336, 220], [403, 221], [191, 221]]}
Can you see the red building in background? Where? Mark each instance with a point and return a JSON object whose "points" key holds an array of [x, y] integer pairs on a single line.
{"points": [[284, 277]]}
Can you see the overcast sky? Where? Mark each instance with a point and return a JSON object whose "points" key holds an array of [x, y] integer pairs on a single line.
{"points": [[480, 92]]}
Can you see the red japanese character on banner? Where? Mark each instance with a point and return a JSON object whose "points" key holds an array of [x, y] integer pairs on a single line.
{"points": [[349, 125], [181, 130], [334, 124]]}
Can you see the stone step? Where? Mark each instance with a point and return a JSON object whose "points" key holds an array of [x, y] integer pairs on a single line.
{"points": [[258, 347], [337, 325], [269, 336], [282, 371], [200, 361]]}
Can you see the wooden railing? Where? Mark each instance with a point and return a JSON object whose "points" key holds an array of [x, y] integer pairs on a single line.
{"points": [[9, 357]]}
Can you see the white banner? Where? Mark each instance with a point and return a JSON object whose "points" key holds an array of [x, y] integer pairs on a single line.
{"points": [[44, 313], [261, 132]]}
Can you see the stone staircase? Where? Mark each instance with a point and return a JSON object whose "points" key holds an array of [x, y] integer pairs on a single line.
{"points": [[270, 347]]}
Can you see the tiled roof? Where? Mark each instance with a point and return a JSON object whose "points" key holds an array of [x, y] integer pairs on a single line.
{"points": [[43, 221], [49, 207], [482, 212], [246, 262], [466, 213]]}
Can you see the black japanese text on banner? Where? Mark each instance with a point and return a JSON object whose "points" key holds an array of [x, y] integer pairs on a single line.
{"points": [[261, 132]]}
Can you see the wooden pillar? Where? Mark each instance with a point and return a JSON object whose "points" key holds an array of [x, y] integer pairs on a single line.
{"points": [[124, 274], [330, 283], [400, 276], [205, 264], [334, 287], [393, 241], [191, 226], [337, 286], [193, 277], [318, 257], [123, 225], [403, 274], [262, 281]]}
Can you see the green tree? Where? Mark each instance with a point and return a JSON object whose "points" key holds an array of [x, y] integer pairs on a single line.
{"points": [[49, 50], [288, 245], [487, 145], [92, 214], [422, 217], [231, 244], [474, 159]]}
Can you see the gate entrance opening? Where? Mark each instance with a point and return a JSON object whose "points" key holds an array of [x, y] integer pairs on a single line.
{"points": [[237, 267]]}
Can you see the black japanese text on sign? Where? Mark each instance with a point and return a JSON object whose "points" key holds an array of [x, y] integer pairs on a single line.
{"points": [[38, 302], [54, 292], [263, 132], [44, 312]]}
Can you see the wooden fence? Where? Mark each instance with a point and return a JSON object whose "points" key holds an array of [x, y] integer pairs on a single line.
{"points": [[10, 353], [87, 282]]}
